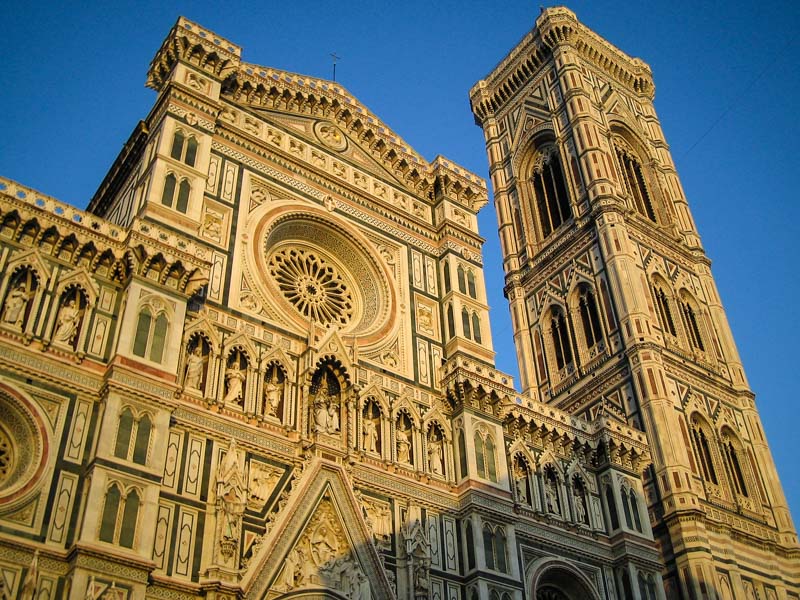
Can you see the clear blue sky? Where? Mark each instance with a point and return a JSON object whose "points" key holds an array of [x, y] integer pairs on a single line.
{"points": [[727, 83]]}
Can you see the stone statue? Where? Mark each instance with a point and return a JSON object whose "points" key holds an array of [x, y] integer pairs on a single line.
{"points": [[194, 369], [370, 435], [403, 445], [230, 502], [16, 303], [69, 320], [580, 506], [234, 378], [272, 398], [435, 457], [333, 416], [519, 485], [551, 496], [326, 412]]}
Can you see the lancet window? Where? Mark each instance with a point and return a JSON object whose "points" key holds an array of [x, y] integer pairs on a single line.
{"points": [[689, 317], [485, 455], [559, 335], [120, 512], [494, 548], [151, 332], [133, 436], [702, 451], [590, 317], [634, 181], [184, 148], [176, 194], [550, 191], [663, 308], [731, 454]]}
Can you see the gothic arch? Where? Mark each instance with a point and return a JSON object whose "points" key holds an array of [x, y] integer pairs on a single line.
{"points": [[560, 575]]}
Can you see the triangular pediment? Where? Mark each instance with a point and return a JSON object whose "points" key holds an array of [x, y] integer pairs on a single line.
{"points": [[320, 543], [351, 152]]}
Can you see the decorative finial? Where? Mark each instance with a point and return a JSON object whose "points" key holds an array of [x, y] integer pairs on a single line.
{"points": [[335, 60]]}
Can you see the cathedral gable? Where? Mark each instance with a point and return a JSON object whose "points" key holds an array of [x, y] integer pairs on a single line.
{"points": [[321, 543]]}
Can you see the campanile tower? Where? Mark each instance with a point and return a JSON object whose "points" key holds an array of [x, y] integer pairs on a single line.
{"points": [[614, 307]]}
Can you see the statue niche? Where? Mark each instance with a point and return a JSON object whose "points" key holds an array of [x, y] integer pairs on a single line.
{"points": [[404, 439], [17, 306], [522, 482], [72, 307], [436, 451], [371, 427], [326, 405], [274, 392], [198, 351], [235, 378]]}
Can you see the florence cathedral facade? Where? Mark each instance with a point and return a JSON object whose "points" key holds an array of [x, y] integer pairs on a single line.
{"points": [[260, 365]]}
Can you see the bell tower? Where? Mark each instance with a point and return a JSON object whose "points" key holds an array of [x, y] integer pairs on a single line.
{"points": [[614, 308]]}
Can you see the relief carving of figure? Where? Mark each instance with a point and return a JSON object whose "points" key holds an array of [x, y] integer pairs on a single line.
{"points": [[194, 369], [294, 560], [16, 303], [69, 320]]}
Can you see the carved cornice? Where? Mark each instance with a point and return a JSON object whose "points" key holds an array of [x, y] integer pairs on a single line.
{"points": [[191, 43], [265, 87], [556, 28]]}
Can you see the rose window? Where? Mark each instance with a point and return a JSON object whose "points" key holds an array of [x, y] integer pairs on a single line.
{"points": [[6, 457], [312, 285]]}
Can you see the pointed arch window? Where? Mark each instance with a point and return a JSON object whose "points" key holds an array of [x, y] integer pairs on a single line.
{"points": [[690, 325], [133, 437], [590, 317], [612, 507], [462, 454], [451, 322], [176, 193], [465, 323], [634, 182], [462, 281], [731, 455], [560, 338], [485, 456], [183, 148], [151, 333], [120, 514], [550, 192], [446, 276], [664, 312], [476, 327], [471, 290], [469, 542], [494, 548], [703, 452]]}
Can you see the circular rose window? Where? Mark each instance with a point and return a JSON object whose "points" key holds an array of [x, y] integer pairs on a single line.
{"points": [[312, 285], [22, 440], [314, 270]]}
